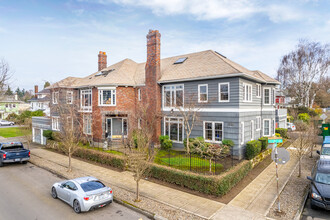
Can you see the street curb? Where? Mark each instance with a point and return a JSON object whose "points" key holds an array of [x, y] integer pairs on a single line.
{"points": [[302, 205], [122, 202]]}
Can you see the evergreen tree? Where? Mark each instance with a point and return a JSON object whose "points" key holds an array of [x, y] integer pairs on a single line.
{"points": [[46, 84], [9, 92]]}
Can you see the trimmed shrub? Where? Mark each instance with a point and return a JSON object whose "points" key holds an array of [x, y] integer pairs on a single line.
{"points": [[304, 117], [282, 131], [228, 142], [264, 142], [165, 142], [48, 134], [277, 135], [218, 186], [253, 148]]}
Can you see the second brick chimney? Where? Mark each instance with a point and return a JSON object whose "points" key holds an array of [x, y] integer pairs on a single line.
{"points": [[152, 75], [35, 90], [102, 63]]}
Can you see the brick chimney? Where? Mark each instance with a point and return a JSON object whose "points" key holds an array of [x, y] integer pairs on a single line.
{"points": [[152, 75], [102, 60], [35, 90]]}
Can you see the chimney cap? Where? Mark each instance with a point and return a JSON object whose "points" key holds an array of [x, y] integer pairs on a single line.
{"points": [[102, 52]]}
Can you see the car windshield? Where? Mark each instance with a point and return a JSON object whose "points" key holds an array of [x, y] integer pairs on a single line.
{"points": [[92, 185], [325, 150], [322, 178]]}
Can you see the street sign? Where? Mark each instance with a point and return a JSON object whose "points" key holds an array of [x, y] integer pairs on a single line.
{"points": [[283, 156], [323, 116]]}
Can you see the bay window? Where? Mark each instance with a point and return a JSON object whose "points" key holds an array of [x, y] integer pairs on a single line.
{"points": [[247, 92], [173, 127], [107, 96], [173, 96], [213, 131]]}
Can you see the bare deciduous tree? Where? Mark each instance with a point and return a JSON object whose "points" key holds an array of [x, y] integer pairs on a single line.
{"points": [[5, 75], [25, 129], [303, 142], [140, 150], [299, 69]]}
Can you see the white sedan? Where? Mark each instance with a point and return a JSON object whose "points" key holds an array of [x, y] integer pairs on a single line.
{"points": [[83, 194], [6, 123]]}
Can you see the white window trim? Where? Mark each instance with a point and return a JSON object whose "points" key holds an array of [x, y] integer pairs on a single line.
{"points": [[270, 95], [84, 125], [139, 94], [258, 125], [219, 92], [242, 130], [249, 85], [55, 99], [263, 127], [252, 130], [86, 108], [178, 118], [69, 94], [55, 123], [274, 127], [164, 98], [100, 96], [258, 91], [199, 93], [213, 131]]}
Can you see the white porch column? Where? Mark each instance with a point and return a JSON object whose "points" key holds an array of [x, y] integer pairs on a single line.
{"points": [[33, 133], [42, 137]]}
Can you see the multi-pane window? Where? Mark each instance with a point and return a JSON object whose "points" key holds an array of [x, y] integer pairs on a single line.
{"points": [[174, 128], [69, 97], [86, 100], [213, 131], [258, 123], [55, 97], [55, 124], [247, 92], [266, 127], [223, 92], [202, 93], [258, 92], [173, 96], [87, 124], [139, 94], [107, 97], [267, 96]]}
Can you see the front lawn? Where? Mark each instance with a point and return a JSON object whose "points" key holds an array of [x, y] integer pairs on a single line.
{"points": [[182, 161], [11, 132]]}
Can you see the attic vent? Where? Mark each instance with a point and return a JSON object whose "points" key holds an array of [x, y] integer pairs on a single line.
{"points": [[104, 72], [220, 54], [180, 60]]}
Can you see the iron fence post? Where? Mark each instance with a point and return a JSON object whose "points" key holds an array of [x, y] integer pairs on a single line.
{"points": [[190, 161]]}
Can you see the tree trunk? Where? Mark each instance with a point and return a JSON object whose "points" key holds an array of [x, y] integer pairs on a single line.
{"points": [[210, 164], [188, 146], [312, 148], [299, 174], [137, 191], [70, 166]]}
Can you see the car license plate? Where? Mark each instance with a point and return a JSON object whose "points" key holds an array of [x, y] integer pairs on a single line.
{"points": [[17, 160], [100, 206]]}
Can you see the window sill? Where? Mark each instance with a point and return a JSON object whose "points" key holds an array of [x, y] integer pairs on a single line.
{"points": [[215, 142], [202, 101], [105, 105], [224, 100]]}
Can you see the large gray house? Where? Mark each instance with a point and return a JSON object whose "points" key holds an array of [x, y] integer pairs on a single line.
{"points": [[232, 102]]}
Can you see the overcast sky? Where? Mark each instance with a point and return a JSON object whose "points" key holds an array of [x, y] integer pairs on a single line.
{"points": [[50, 40]]}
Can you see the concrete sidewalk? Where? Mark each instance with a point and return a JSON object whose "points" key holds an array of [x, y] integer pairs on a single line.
{"points": [[253, 202]]}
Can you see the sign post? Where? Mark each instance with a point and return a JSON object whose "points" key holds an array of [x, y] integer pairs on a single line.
{"points": [[279, 156]]}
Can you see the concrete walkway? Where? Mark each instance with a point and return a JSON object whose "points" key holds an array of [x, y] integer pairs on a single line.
{"points": [[253, 202]]}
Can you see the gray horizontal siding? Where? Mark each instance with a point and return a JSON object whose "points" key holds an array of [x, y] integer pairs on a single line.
{"points": [[41, 123]]}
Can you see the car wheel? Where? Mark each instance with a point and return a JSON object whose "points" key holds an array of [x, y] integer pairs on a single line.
{"points": [[314, 207], [76, 206], [1, 164], [54, 194], [24, 162]]}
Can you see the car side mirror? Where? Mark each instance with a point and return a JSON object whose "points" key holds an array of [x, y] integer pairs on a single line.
{"points": [[309, 178], [319, 153]]}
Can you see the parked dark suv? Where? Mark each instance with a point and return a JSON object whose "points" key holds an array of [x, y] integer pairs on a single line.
{"points": [[320, 185]]}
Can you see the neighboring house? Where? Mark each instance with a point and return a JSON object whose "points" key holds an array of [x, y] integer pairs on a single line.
{"points": [[233, 102], [39, 125], [11, 104], [282, 102], [40, 101]]}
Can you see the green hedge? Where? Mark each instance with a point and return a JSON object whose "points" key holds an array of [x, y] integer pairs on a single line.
{"points": [[253, 148], [282, 131], [165, 142], [213, 185], [264, 143]]}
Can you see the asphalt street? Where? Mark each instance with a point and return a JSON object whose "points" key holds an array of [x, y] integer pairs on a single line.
{"points": [[25, 194], [309, 214]]}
